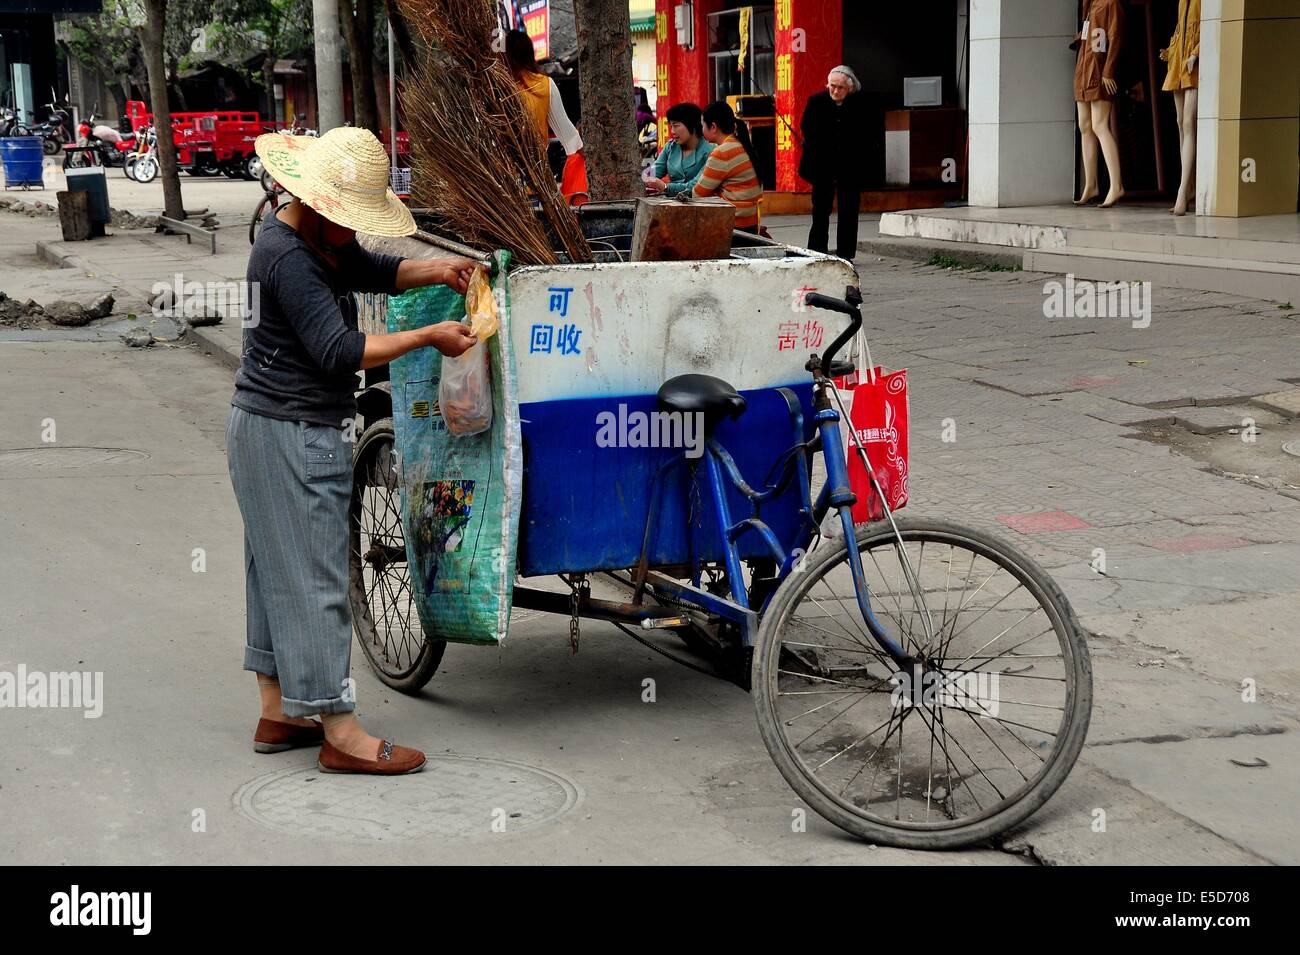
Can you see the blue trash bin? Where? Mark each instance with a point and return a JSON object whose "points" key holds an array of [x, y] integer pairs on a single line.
{"points": [[23, 161]]}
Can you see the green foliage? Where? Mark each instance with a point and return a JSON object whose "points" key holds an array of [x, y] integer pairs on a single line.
{"points": [[945, 261], [107, 40]]}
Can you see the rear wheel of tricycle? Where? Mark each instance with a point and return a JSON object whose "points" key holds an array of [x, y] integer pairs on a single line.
{"points": [[978, 732], [266, 206], [383, 602]]}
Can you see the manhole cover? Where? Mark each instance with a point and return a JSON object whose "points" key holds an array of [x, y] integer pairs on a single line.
{"points": [[454, 797], [54, 457], [1292, 448]]}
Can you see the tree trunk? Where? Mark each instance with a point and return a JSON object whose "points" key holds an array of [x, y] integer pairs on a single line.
{"points": [[605, 77], [268, 80], [381, 99], [174, 85], [151, 40], [401, 32], [329, 65], [358, 18]]}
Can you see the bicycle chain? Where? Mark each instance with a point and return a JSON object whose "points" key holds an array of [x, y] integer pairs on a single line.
{"points": [[579, 588]]}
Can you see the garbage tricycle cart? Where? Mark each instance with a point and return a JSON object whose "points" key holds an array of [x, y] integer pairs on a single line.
{"points": [[685, 475]]}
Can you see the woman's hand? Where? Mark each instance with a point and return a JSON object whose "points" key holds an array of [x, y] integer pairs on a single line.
{"points": [[1109, 85], [455, 274], [450, 338], [1164, 54], [1190, 65], [655, 186]]}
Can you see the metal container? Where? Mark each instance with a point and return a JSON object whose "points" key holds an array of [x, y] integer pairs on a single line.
{"points": [[91, 180], [23, 161]]}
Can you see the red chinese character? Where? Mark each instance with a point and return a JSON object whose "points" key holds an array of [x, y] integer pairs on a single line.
{"points": [[788, 334], [813, 334]]}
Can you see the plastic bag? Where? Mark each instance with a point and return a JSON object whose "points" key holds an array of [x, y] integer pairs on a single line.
{"points": [[481, 306], [465, 390], [465, 393]]}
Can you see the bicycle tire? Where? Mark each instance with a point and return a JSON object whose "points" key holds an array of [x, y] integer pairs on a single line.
{"points": [[255, 225], [1076, 712], [374, 454]]}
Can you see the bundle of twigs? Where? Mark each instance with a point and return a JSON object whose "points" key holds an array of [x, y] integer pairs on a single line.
{"points": [[477, 156]]}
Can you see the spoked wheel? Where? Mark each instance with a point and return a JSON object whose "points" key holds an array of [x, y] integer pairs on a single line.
{"points": [[146, 169], [978, 733], [266, 206], [383, 604]]}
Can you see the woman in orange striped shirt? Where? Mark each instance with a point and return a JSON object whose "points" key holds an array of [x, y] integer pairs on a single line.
{"points": [[729, 172]]}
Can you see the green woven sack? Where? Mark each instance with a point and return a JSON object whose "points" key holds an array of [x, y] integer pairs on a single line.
{"points": [[460, 496]]}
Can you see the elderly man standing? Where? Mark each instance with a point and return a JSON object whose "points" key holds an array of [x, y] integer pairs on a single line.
{"points": [[834, 159]]}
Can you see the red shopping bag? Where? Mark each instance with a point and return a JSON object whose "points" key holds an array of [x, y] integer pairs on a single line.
{"points": [[878, 419], [573, 183]]}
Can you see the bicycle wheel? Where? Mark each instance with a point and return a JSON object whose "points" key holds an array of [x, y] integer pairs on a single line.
{"points": [[978, 734], [383, 603], [265, 207]]}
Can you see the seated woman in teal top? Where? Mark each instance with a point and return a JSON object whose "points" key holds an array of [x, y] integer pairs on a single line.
{"points": [[682, 160]]}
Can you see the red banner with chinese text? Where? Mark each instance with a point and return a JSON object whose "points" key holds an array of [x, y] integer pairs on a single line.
{"points": [[809, 44]]}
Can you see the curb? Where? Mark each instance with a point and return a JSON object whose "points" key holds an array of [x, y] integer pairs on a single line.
{"points": [[212, 345], [46, 252], [922, 250]]}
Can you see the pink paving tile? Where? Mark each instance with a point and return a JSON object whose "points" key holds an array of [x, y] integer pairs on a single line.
{"points": [[1199, 542], [1043, 522]]}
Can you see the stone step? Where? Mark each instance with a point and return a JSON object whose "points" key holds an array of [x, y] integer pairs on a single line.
{"points": [[1272, 281], [934, 225], [1199, 246]]}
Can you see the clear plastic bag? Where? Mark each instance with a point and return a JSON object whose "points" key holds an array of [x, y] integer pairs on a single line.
{"points": [[465, 392]]}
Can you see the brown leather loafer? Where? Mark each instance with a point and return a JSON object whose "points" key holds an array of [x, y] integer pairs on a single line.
{"points": [[392, 761], [273, 736]]}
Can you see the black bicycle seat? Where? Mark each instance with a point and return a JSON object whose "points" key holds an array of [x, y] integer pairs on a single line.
{"points": [[701, 394]]}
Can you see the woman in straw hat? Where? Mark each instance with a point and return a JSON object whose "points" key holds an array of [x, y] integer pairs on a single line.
{"points": [[290, 463]]}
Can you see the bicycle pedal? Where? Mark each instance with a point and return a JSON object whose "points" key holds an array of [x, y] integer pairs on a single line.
{"points": [[663, 623]]}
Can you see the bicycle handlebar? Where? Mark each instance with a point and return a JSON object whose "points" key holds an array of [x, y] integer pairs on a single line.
{"points": [[846, 306]]}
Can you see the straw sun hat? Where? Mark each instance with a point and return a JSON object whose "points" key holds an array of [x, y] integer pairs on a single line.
{"points": [[343, 175]]}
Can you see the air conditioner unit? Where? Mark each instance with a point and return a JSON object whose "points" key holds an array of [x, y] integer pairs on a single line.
{"points": [[684, 21], [922, 91]]}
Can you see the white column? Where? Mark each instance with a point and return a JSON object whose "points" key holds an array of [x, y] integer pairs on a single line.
{"points": [[329, 64], [1022, 113], [1208, 108]]}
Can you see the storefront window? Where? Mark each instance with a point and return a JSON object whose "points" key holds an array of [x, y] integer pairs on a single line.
{"points": [[725, 41]]}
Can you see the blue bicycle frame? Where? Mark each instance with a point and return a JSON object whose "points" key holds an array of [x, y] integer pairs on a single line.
{"points": [[720, 471]]}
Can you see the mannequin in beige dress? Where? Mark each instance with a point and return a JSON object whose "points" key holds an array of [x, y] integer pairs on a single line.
{"points": [[1183, 80]]}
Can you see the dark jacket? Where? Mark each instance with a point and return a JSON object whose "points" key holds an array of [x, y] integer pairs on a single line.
{"points": [[836, 139]]}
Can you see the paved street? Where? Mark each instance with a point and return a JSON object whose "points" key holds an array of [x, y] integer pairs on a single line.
{"points": [[1075, 438]]}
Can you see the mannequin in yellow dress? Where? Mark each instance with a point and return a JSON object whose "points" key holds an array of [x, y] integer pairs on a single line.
{"points": [[1183, 80]]}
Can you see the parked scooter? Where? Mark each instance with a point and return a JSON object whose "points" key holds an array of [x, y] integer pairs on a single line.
{"points": [[56, 132], [648, 140], [143, 165], [97, 145], [11, 125]]}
